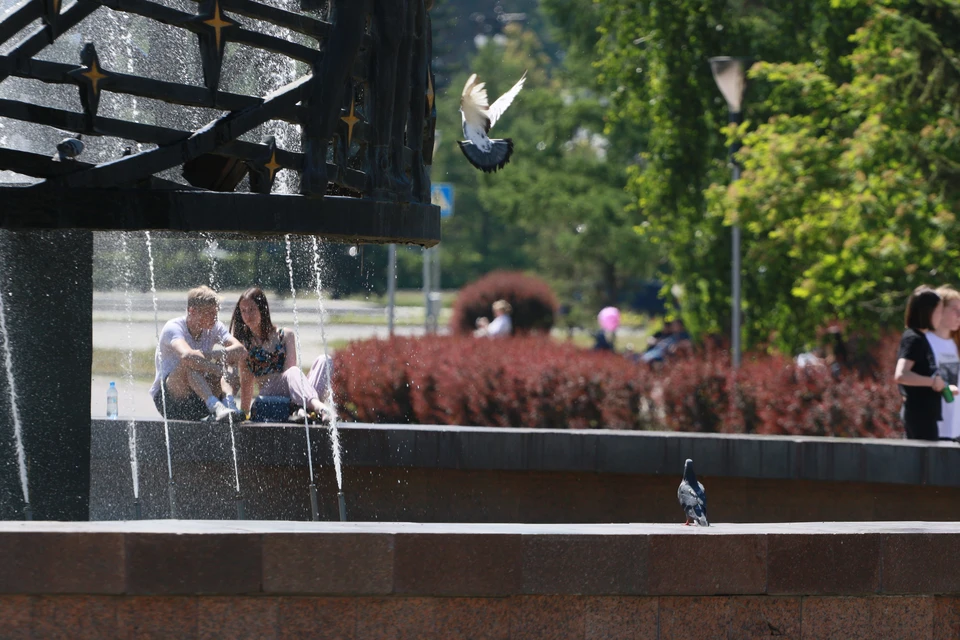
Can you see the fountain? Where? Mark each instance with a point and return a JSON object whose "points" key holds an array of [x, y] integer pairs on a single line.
{"points": [[331, 142]]}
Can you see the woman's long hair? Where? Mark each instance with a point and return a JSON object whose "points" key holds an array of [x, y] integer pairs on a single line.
{"points": [[239, 328], [948, 294]]}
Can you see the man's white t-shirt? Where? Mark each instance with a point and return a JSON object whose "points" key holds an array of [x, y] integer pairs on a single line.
{"points": [[501, 326], [948, 365], [168, 356]]}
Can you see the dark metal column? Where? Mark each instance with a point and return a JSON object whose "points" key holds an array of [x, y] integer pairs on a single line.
{"points": [[46, 279]]}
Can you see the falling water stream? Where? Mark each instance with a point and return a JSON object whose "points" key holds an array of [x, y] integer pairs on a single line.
{"points": [[15, 412], [127, 274], [163, 391], [314, 502], [328, 397], [211, 251]]}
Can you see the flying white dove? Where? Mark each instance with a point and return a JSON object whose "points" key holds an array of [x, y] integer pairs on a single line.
{"points": [[478, 118], [692, 497]]}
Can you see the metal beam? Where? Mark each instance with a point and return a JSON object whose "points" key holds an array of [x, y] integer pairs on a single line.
{"points": [[19, 18], [341, 219], [206, 140]]}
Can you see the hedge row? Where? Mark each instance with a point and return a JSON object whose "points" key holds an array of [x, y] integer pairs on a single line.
{"points": [[771, 395], [537, 382], [513, 382]]}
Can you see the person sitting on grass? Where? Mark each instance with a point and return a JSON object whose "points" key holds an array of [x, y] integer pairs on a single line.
{"points": [[192, 356], [271, 362]]}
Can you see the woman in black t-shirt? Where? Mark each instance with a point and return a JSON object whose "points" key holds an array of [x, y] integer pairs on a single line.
{"points": [[916, 372]]}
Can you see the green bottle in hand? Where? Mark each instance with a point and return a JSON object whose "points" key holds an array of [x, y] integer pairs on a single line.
{"points": [[947, 394]]}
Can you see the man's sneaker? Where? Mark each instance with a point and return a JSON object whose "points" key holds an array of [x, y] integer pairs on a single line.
{"points": [[299, 415], [223, 413]]}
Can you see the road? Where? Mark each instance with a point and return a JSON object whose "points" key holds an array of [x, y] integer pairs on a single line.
{"points": [[113, 330]]}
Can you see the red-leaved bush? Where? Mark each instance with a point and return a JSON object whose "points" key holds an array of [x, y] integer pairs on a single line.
{"points": [[537, 382], [772, 395], [534, 304], [513, 382]]}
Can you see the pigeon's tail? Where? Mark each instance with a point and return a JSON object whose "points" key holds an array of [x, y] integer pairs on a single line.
{"points": [[496, 158], [697, 514]]}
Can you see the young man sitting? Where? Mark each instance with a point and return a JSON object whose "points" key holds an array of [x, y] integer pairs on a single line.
{"points": [[192, 357]]}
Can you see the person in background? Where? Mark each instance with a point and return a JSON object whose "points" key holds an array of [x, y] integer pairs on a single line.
{"points": [[192, 356], [501, 325], [916, 370], [601, 342], [947, 356], [271, 361]]}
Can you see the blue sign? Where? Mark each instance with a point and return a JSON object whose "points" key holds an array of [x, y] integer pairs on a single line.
{"points": [[441, 194]]}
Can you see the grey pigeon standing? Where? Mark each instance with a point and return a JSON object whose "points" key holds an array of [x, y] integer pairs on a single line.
{"points": [[692, 497], [69, 148]]}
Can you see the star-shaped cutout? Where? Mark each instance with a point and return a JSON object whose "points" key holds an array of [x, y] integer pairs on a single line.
{"points": [[218, 22], [272, 166], [351, 119], [94, 75]]}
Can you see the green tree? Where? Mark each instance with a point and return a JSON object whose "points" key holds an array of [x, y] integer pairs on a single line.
{"points": [[854, 100], [654, 56], [850, 189]]}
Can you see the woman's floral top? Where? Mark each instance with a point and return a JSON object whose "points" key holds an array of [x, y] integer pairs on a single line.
{"points": [[262, 361]]}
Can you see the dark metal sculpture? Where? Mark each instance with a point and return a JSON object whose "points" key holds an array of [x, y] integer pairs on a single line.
{"points": [[364, 106]]}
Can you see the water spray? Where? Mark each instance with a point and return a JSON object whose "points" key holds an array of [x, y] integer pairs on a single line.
{"points": [[314, 503], [172, 498]]}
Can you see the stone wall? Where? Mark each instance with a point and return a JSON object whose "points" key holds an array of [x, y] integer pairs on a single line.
{"points": [[515, 618], [471, 474], [356, 580]]}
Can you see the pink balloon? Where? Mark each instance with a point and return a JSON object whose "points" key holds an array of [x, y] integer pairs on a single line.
{"points": [[609, 318]]}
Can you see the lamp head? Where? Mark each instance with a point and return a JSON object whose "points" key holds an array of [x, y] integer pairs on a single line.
{"points": [[730, 75]]}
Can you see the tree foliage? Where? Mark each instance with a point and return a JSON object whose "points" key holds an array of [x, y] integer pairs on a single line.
{"points": [[849, 192], [559, 207], [849, 189]]}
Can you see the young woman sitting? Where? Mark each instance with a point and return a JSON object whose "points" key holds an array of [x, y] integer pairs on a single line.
{"points": [[271, 362]]}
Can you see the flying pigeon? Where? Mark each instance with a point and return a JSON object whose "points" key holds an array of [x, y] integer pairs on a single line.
{"points": [[478, 118], [69, 148], [692, 496]]}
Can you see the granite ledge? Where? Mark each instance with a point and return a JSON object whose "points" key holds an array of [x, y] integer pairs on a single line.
{"points": [[257, 558], [869, 460]]}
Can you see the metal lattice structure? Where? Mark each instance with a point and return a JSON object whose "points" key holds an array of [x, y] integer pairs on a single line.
{"points": [[363, 107]]}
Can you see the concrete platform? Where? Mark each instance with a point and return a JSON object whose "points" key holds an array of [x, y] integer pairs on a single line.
{"points": [[403, 580]]}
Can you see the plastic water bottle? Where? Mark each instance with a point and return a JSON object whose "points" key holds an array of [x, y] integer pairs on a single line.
{"points": [[112, 406]]}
